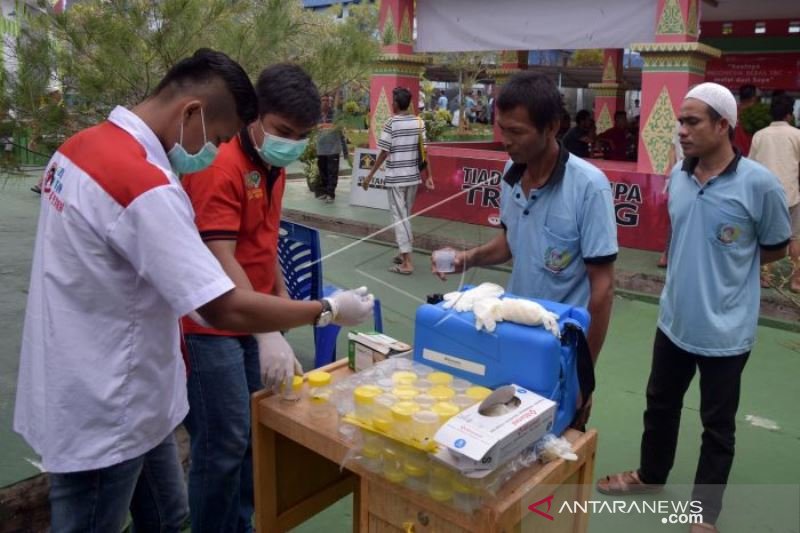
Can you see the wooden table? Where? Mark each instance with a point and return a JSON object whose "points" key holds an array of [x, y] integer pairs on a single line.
{"points": [[297, 474]]}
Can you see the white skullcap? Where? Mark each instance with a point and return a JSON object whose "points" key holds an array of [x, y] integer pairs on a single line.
{"points": [[719, 98]]}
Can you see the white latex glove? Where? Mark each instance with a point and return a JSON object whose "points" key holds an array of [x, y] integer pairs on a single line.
{"points": [[277, 360], [486, 313], [464, 301], [351, 308], [528, 313], [195, 316]]}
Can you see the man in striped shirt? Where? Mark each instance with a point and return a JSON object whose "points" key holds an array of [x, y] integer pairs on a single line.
{"points": [[399, 143]]}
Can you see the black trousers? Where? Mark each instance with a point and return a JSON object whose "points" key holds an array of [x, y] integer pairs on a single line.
{"points": [[720, 379], [328, 166]]}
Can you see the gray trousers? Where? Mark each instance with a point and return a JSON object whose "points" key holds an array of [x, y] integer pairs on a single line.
{"points": [[400, 201]]}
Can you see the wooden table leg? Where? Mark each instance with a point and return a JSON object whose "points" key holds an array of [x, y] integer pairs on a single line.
{"points": [[264, 481], [361, 506], [585, 484]]}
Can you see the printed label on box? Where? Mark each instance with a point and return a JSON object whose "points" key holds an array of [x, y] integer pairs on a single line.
{"points": [[454, 362]]}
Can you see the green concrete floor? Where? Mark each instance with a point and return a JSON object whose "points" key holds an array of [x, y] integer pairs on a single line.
{"points": [[766, 466]]}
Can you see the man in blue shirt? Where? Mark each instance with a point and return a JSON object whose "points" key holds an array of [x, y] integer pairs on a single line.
{"points": [[441, 102], [729, 216], [556, 210]]}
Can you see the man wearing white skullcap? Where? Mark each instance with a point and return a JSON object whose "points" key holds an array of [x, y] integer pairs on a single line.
{"points": [[728, 217]]}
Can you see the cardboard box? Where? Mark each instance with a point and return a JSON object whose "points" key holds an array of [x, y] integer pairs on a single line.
{"points": [[365, 348], [488, 434]]}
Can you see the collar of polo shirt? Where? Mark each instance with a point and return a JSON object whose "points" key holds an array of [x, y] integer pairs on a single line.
{"points": [[690, 163], [515, 172]]}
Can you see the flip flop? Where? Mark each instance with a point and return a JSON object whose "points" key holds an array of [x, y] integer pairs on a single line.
{"points": [[626, 483], [397, 270]]}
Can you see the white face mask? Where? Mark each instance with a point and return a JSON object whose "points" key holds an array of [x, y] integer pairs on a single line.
{"points": [[183, 162]]}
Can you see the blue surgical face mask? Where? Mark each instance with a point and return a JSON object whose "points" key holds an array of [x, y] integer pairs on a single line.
{"points": [[280, 152], [183, 162]]}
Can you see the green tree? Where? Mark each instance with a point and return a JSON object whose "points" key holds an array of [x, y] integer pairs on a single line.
{"points": [[468, 66], [105, 53]]}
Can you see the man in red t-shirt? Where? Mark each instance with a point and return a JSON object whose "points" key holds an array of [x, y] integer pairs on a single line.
{"points": [[237, 204], [616, 138]]}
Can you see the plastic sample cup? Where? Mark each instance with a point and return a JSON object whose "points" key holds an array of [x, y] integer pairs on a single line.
{"points": [[445, 260], [402, 413], [416, 469], [460, 385], [445, 410], [404, 377], [423, 384], [364, 399], [425, 401], [393, 458], [440, 378], [463, 401], [466, 496], [441, 394], [382, 413], [405, 393], [440, 483], [423, 425], [478, 393], [371, 459], [293, 393]]}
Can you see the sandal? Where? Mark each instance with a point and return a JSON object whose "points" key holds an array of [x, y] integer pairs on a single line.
{"points": [[626, 483], [397, 270]]}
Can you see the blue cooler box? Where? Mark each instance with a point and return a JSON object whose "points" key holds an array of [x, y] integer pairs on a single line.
{"points": [[526, 355]]}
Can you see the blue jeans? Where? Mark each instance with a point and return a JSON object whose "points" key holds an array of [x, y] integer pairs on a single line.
{"points": [[224, 371], [150, 485]]}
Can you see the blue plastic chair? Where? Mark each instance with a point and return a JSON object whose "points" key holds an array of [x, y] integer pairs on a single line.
{"points": [[299, 252]]}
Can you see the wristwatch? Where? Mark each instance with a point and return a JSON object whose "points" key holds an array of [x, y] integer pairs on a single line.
{"points": [[326, 316]]}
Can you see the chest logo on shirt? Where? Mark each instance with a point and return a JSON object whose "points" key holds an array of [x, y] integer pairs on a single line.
{"points": [[252, 180], [252, 183], [728, 233], [556, 259]]}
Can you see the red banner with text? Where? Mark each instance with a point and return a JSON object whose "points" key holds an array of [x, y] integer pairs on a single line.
{"points": [[468, 190], [765, 71]]}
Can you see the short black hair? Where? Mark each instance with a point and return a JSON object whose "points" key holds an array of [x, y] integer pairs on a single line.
{"points": [[205, 65], [716, 117], [583, 114], [781, 105], [401, 98], [747, 91], [287, 90], [535, 92]]}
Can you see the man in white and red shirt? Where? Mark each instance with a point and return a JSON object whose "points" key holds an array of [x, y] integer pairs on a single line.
{"points": [[117, 261]]}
